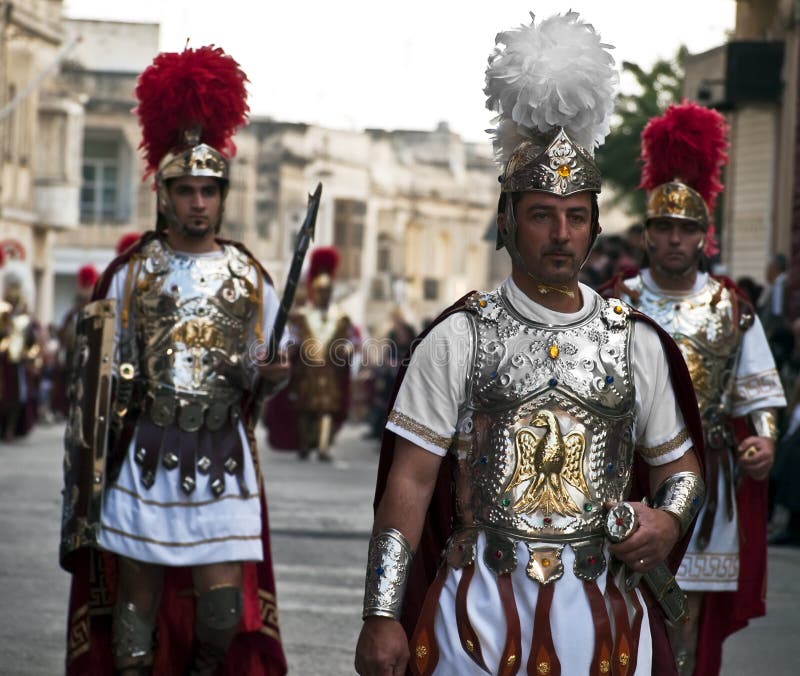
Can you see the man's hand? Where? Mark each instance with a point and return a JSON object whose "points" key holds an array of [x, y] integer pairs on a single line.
{"points": [[651, 542], [382, 648], [755, 456]]}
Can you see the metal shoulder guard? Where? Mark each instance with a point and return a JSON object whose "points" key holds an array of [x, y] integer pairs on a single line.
{"points": [[681, 495], [764, 424], [388, 564]]}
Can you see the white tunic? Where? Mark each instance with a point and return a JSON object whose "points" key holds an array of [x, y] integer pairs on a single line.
{"points": [[756, 385], [165, 526], [426, 413]]}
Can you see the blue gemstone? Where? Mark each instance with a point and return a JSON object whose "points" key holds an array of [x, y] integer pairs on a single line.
{"points": [[379, 571], [609, 380], [610, 467], [493, 374], [484, 460], [695, 500], [552, 382]]}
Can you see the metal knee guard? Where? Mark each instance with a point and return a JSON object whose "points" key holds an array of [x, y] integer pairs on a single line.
{"points": [[217, 617], [131, 637]]}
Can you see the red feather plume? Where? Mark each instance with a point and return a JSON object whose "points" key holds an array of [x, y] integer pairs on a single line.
{"points": [[126, 241], [200, 89], [323, 259], [87, 276], [688, 143]]}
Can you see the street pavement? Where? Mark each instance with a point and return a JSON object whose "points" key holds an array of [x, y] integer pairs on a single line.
{"points": [[320, 515]]}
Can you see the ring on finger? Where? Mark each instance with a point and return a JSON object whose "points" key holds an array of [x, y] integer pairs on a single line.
{"points": [[750, 452]]}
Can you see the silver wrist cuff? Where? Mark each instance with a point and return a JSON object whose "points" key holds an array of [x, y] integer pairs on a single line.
{"points": [[682, 496], [388, 564], [765, 424]]}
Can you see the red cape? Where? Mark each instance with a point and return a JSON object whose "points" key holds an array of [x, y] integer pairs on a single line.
{"points": [[724, 613], [441, 511], [256, 650]]}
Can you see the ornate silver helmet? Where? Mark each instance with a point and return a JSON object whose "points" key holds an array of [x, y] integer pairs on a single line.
{"points": [[553, 88]]}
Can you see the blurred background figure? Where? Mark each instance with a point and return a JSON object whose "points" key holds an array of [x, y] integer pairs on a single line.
{"points": [[20, 355], [85, 280], [772, 308], [321, 342], [751, 288]]}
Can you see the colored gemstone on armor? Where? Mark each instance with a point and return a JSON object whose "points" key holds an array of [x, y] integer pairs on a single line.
{"points": [[493, 374], [618, 309], [620, 521], [547, 521], [498, 554], [553, 351], [552, 382], [564, 171], [609, 380], [587, 507], [379, 571], [546, 563], [484, 460], [483, 303], [610, 467], [591, 560], [505, 502]]}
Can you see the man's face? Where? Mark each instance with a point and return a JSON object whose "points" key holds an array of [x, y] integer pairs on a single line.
{"points": [[553, 234], [196, 201], [674, 245]]}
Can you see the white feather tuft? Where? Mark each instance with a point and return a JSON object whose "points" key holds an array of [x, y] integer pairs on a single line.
{"points": [[556, 74]]}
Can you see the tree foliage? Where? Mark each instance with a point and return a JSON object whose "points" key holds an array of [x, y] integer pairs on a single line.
{"points": [[618, 158]]}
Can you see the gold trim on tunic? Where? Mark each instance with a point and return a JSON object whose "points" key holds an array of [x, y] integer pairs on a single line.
{"points": [[196, 543], [667, 447], [200, 503], [420, 430]]}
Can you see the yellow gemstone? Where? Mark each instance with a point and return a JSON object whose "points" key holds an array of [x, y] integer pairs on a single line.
{"points": [[470, 646], [618, 309], [543, 668], [483, 303], [624, 658], [511, 660], [605, 666], [553, 351], [546, 563], [564, 171], [421, 651]]}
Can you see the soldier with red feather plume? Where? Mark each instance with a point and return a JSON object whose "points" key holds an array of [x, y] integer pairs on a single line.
{"points": [[321, 341], [732, 370], [150, 541]]}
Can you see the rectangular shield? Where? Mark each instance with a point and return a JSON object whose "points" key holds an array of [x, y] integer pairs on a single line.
{"points": [[86, 436]]}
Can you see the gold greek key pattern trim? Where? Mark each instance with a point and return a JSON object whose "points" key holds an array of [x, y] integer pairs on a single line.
{"points": [[201, 503], [666, 447], [709, 567], [196, 543], [78, 639], [269, 614], [764, 384], [419, 430]]}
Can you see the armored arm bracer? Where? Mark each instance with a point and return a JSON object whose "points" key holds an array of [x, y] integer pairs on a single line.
{"points": [[388, 565], [764, 423], [681, 495]]}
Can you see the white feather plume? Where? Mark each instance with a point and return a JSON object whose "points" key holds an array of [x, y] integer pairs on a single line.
{"points": [[556, 74]]}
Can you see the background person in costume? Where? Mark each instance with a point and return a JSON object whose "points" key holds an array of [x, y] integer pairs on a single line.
{"points": [[20, 353], [732, 369], [521, 402], [321, 341], [168, 529]]}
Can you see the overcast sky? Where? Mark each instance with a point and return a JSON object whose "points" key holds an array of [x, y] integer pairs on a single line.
{"points": [[397, 65]]}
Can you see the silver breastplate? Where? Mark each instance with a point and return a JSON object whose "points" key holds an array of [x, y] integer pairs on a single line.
{"points": [[708, 329], [547, 436], [195, 318]]}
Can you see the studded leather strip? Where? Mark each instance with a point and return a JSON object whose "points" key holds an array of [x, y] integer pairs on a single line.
{"points": [[621, 656], [543, 658], [511, 657], [469, 639], [636, 629], [148, 445], [712, 497], [216, 472], [189, 458], [603, 645], [424, 648]]}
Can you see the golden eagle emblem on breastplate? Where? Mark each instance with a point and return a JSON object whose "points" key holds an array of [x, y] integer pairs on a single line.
{"points": [[548, 462]]}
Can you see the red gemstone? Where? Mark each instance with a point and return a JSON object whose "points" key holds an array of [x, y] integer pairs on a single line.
{"points": [[547, 521], [592, 560], [498, 554], [620, 521], [461, 548]]}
